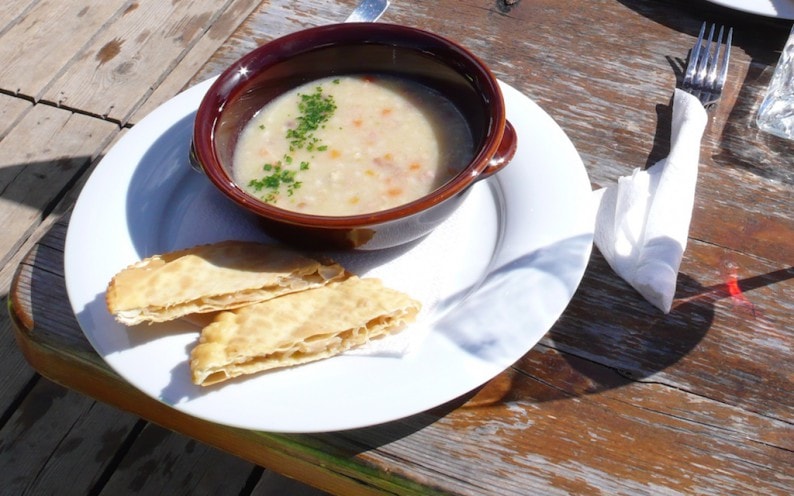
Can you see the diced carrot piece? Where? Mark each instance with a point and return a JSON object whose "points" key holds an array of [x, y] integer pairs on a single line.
{"points": [[335, 153], [415, 166], [394, 191], [357, 122], [386, 111]]}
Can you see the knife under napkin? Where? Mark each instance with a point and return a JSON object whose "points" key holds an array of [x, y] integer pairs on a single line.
{"points": [[642, 222]]}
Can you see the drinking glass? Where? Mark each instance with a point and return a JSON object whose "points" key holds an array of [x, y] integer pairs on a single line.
{"points": [[776, 114]]}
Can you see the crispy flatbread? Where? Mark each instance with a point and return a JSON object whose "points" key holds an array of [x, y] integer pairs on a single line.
{"points": [[213, 277], [298, 328]]}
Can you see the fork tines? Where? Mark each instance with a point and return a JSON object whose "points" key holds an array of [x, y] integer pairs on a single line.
{"points": [[707, 68]]}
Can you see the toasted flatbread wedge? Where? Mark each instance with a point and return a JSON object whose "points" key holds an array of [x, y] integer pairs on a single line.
{"points": [[298, 328], [213, 277]]}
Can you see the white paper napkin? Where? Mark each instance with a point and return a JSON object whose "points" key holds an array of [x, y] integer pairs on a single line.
{"points": [[642, 223]]}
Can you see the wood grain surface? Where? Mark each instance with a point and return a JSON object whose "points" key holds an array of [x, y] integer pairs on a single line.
{"points": [[617, 398]]}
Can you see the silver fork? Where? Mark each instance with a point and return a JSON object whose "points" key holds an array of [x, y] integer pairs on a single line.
{"points": [[708, 66]]}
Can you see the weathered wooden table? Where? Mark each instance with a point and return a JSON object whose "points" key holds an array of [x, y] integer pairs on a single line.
{"points": [[617, 398]]}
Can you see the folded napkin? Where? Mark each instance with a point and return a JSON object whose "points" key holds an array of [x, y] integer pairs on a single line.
{"points": [[642, 222]]}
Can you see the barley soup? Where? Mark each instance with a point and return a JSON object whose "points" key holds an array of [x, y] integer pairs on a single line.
{"points": [[352, 145]]}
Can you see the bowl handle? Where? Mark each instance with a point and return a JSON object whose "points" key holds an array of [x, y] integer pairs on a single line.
{"points": [[504, 154]]}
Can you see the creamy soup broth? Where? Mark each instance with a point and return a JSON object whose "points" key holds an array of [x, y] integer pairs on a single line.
{"points": [[351, 145]]}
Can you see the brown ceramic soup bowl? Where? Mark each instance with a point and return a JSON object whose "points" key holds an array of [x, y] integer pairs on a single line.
{"points": [[338, 50]]}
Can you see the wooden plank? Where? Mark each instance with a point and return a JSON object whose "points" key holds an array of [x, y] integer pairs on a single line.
{"points": [[11, 110], [57, 311], [179, 78], [62, 208], [15, 370], [763, 228], [730, 309], [272, 20], [117, 70], [12, 11], [161, 462], [66, 436], [553, 434], [40, 157], [49, 35], [266, 22], [17, 373], [274, 484]]}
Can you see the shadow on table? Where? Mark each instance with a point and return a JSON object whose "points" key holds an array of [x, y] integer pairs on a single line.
{"points": [[597, 349], [608, 343], [607, 338], [598, 345]]}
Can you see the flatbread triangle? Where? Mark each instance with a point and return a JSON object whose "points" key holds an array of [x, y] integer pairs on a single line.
{"points": [[212, 277], [299, 328]]}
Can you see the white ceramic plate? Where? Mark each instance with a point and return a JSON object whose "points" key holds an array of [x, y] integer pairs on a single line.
{"points": [[782, 9], [493, 278]]}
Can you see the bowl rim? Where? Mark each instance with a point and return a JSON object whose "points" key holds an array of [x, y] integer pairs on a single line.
{"points": [[223, 87]]}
